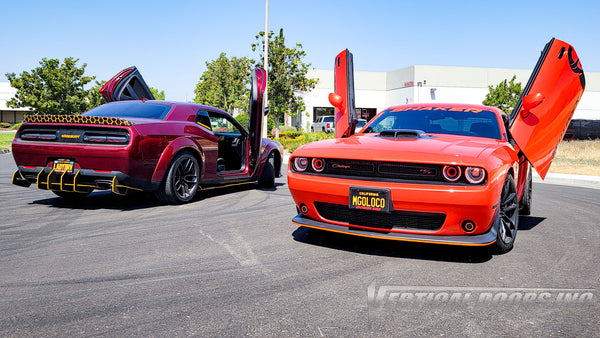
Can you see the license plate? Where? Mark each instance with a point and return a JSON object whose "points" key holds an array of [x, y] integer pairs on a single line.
{"points": [[62, 166], [369, 199]]}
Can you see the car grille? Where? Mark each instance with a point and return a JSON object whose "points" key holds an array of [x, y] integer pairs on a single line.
{"points": [[381, 169], [384, 221]]}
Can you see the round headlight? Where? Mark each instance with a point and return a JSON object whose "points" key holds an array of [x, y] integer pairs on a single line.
{"points": [[300, 163], [475, 175], [318, 165], [451, 173]]}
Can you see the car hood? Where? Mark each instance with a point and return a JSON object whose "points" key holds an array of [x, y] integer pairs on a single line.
{"points": [[438, 148]]}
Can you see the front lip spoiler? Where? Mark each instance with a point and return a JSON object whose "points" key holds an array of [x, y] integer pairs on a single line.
{"points": [[474, 240]]}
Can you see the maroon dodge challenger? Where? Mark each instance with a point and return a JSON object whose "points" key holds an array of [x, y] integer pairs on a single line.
{"points": [[134, 143]]}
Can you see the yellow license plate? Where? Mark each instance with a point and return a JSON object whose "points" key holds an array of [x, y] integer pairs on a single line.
{"points": [[62, 166], [369, 199]]}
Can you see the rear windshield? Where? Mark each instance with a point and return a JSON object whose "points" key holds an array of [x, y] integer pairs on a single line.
{"points": [[328, 119], [439, 120], [131, 109]]}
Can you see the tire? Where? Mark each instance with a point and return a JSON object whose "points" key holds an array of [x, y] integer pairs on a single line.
{"points": [[71, 195], [312, 129], [267, 177], [526, 200], [507, 218], [182, 180]]}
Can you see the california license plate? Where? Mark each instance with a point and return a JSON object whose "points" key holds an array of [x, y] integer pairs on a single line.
{"points": [[369, 199], [62, 166]]}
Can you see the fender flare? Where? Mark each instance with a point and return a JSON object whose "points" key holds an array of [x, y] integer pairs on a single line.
{"points": [[177, 145]]}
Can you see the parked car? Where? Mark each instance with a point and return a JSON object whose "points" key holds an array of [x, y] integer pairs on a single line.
{"points": [[324, 124], [134, 143], [436, 173], [360, 123]]}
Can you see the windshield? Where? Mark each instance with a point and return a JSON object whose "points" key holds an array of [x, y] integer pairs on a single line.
{"points": [[131, 109], [439, 120]]}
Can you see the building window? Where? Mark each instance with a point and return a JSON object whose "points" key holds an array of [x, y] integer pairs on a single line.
{"points": [[322, 111]]}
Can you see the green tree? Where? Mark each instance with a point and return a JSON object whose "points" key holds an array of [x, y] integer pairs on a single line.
{"points": [[223, 84], [159, 95], [287, 76], [94, 97], [504, 96], [53, 88]]}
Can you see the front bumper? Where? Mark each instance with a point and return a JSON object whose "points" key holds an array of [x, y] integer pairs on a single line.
{"points": [[483, 239], [79, 180]]}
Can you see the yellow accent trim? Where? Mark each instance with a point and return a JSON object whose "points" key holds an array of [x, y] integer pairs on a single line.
{"points": [[225, 186], [394, 239], [111, 121], [204, 125], [38, 181], [48, 179]]}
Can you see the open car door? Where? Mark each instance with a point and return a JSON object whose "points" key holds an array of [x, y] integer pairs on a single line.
{"points": [[542, 114], [343, 98], [128, 84], [255, 112]]}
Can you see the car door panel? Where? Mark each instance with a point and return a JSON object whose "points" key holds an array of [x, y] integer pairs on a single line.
{"points": [[542, 114], [128, 84], [343, 98]]}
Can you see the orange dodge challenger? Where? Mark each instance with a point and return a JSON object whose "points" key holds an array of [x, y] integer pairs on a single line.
{"points": [[436, 173]]}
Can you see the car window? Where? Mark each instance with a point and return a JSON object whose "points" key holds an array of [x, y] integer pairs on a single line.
{"points": [[131, 109], [439, 120], [220, 124], [328, 119]]}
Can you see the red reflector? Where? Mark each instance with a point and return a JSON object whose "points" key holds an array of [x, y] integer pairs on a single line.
{"points": [[29, 167], [103, 171]]}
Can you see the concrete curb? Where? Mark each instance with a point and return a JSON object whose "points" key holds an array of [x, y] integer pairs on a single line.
{"points": [[569, 180]]}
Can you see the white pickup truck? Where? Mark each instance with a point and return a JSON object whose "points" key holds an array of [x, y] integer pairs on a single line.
{"points": [[324, 123]]}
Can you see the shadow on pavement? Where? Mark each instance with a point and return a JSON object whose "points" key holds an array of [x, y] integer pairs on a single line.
{"points": [[138, 200], [390, 248], [529, 222]]}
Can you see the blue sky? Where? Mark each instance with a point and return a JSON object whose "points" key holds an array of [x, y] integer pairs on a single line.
{"points": [[170, 41]]}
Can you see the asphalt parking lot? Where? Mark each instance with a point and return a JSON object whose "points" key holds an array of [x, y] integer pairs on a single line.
{"points": [[231, 263]]}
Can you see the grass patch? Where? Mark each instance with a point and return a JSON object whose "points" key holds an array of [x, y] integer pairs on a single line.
{"points": [[5, 140], [581, 157], [292, 140]]}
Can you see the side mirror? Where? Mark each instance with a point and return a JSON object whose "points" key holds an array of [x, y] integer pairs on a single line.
{"points": [[266, 111], [531, 101], [336, 101]]}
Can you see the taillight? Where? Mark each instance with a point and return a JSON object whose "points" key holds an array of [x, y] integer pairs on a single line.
{"points": [[106, 138]]}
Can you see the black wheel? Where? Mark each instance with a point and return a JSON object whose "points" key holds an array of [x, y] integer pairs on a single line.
{"points": [[526, 200], [312, 129], [267, 177], [71, 195], [182, 180], [507, 219]]}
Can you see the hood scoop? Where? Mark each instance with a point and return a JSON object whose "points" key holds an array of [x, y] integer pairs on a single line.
{"points": [[403, 134]]}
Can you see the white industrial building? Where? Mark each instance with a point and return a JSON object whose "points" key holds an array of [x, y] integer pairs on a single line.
{"points": [[375, 91], [10, 115]]}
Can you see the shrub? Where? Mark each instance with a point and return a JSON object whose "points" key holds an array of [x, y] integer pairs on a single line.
{"points": [[4, 125]]}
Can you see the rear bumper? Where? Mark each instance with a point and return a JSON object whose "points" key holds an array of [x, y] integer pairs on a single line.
{"points": [[79, 180], [483, 239]]}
